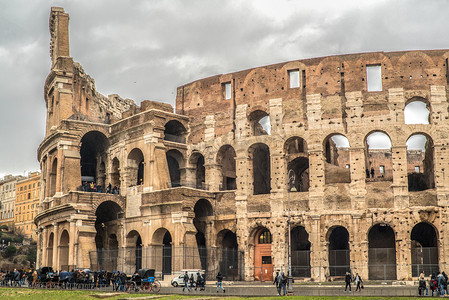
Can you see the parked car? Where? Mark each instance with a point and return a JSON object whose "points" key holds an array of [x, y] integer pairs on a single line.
{"points": [[179, 280]]}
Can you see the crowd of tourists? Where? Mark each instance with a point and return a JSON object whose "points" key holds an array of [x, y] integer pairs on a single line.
{"points": [[96, 188], [437, 284]]}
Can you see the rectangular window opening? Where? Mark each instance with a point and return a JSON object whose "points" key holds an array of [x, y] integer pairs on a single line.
{"points": [[227, 90], [293, 76], [417, 170], [382, 169], [266, 260], [374, 78]]}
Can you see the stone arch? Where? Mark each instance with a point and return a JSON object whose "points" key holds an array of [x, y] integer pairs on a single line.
{"points": [[295, 145], [420, 162], [424, 249], [337, 158], [51, 241], [378, 156], [259, 122], [260, 168], [228, 254], [202, 209], [115, 174], [381, 252], [64, 241], [258, 81], [300, 252], [339, 252], [226, 161], [135, 167], [53, 177], [175, 131], [417, 110], [93, 151], [175, 162], [162, 241], [197, 161], [134, 244]]}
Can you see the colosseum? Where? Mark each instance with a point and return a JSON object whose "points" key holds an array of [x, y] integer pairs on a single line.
{"points": [[252, 171]]}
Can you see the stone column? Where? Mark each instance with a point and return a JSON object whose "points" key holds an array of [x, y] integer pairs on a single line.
{"points": [[400, 181], [72, 229], [56, 246], [358, 184], [214, 177], [403, 254], [316, 179], [359, 247], [43, 259], [316, 250]]}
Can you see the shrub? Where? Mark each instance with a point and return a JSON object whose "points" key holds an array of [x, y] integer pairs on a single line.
{"points": [[10, 251]]}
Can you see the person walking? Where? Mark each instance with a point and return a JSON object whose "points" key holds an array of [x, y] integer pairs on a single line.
{"points": [[186, 282], [348, 281], [422, 284], [358, 282], [440, 280], [372, 172], [283, 280], [277, 282], [220, 282]]}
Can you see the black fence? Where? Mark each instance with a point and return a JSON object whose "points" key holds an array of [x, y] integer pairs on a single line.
{"points": [[171, 260]]}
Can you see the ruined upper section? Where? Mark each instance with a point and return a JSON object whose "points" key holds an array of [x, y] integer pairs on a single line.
{"points": [[326, 83], [59, 32]]}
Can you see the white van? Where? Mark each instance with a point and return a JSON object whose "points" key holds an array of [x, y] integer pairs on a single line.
{"points": [[179, 280]]}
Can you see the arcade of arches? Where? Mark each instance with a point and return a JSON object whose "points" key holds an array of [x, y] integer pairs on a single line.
{"points": [[215, 182]]}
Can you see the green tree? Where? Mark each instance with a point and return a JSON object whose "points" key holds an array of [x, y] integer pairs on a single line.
{"points": [[31, 255], [10, 251]]}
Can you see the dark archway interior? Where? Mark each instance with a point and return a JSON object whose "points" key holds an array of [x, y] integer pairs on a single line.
{"points": [[230, 240], [167, 253], [138, 253], [261, 169], [422, 179], [381, 253], [94, 144], [424, 249], [295, 146], [136, 167], [174, 131], [300, 252], [106, 212], [173, 168], [258, 127], [226, 158], [200, 172], [300, 167], [202, 210], [339, 262], [115, 176]]}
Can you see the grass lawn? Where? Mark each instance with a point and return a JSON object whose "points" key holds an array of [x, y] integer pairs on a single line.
{"points": [[38, 294]]}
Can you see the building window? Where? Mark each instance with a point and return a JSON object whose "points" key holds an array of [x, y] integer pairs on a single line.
{"points": [[29, 195], [382, 169], [293, 76], [347, 166], [417, 169], [265, 237], [374, 78], [227, 92], [266, 260]]}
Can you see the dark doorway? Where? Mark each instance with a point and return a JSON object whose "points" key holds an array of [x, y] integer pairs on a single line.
{"points": [[300, 250], [167, 253], [339, 262], [424, 249], [381, 253]]}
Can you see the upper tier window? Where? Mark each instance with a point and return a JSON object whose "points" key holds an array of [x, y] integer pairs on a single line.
{"points": [[374, 78], [293, 76]]}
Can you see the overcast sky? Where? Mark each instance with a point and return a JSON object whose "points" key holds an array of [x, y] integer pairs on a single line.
{"points": [[145, 49]]}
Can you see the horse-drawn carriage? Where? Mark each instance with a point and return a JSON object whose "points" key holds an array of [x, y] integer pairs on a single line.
{"points": [[143, 280]]}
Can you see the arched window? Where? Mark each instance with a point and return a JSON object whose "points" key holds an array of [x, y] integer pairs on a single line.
{"points": [[261, 169], [417, 112], [336, 151], [378, 157], [175, 132], [260, 123], [420, 164], [264, 237]]}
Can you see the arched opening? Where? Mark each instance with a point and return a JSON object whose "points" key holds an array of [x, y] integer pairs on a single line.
{"points": [[51, 239], [64, 251], [300, 167], [260, 123], [162, 241], [175, 132], [136, 167], [417, 111], [174, 161], [263, 264], [339, 262], [420, 163], [115, 175], [381, 253], [300, 252], [202, 209], [226, 161], [107, 226], [134, 245], [424, 249], [94, 147], [197, 160], [260, 156], [378, 157], [336, 152], [229, 258], [53, 175]]}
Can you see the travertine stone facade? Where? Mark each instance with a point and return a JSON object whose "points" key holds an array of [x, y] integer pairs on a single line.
{"points": [[220, 172]]}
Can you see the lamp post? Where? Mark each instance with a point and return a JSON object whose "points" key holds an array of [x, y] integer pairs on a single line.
{"points": [[291, 181]]}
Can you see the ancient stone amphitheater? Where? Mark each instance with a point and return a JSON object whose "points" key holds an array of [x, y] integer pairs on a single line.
{"points": [[338, 163]]}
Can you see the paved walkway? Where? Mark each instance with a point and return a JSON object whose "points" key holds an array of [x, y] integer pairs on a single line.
{"points": [[261, 289]]}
